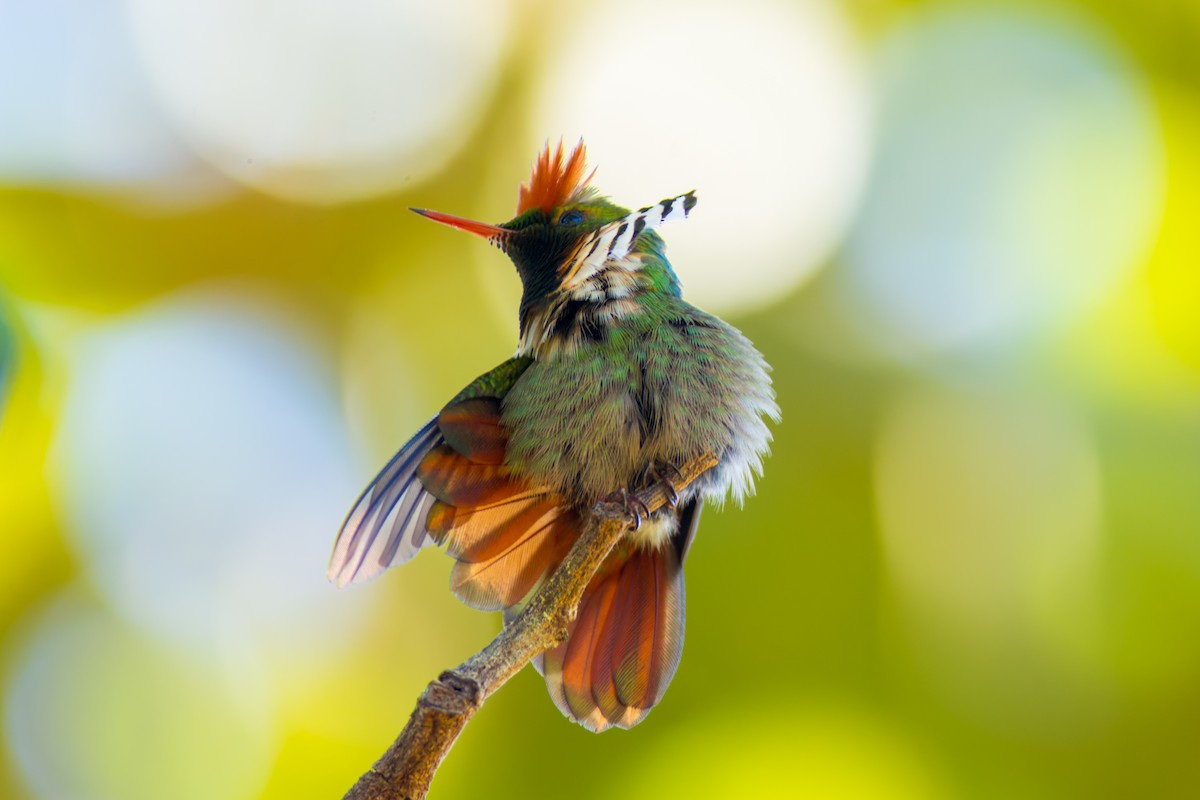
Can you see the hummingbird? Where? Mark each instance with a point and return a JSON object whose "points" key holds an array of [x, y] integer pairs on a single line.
{"points": [[616, 382]]}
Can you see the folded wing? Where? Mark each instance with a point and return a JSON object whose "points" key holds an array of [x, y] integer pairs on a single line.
{"points": [[449, 485]]}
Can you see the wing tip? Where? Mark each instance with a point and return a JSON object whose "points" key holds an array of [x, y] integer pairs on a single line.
{"points": [[339, 572]]}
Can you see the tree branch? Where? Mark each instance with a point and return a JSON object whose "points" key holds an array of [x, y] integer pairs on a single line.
{"points": [[444, 708]]}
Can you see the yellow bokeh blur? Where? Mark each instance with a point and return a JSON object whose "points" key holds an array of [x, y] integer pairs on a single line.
{"points": [[963, 234]]}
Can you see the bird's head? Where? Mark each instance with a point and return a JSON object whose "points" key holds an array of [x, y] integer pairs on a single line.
{"points": [[566, 236]]}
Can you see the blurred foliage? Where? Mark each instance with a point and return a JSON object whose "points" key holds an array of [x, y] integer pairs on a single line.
{"points": [[1047, 645]]}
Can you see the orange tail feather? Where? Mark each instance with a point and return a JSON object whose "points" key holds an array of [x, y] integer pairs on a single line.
{"points": [[626, 642]]}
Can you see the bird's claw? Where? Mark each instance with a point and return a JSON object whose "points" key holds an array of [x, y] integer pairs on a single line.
{"points": [[630, 503], [673, 499]]}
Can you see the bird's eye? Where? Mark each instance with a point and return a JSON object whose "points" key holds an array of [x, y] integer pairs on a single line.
{"points": [[570, 218]]}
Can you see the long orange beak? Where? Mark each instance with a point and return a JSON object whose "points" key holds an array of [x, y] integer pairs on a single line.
{"points": [[489, 232]]}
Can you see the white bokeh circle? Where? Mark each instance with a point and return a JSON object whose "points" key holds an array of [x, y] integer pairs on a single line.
{"points": [[203, 467], [1018, 180], [759, 106], [322, 101], [76, 110]]}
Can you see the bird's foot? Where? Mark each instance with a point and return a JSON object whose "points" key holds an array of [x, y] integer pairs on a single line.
{"points": [[631, 503], [658, 471]]}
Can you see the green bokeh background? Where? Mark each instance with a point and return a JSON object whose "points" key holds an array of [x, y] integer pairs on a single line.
{"points": [[898, 613]]}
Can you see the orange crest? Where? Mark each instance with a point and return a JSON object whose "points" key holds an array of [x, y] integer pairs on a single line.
{"points": [[553, 182]]}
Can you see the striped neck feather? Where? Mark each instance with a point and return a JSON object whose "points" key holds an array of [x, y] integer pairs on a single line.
{"points": [[611, 244], [600, 283]]}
